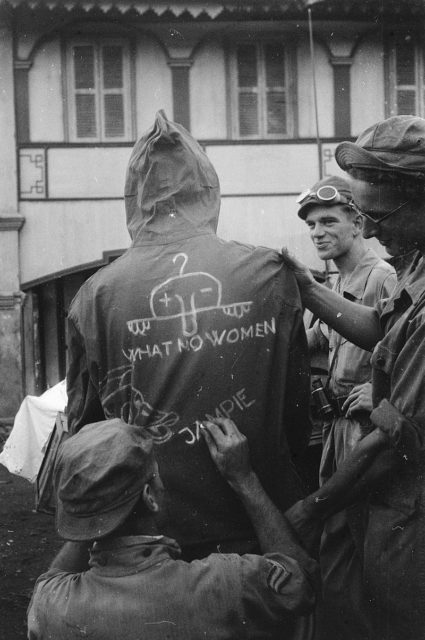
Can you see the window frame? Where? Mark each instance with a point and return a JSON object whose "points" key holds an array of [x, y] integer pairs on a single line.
{"points": [[419, 73], [97, 42], [261, 88]]}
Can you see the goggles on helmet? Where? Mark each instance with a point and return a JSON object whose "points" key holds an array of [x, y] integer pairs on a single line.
{"points": [[327, 195]]}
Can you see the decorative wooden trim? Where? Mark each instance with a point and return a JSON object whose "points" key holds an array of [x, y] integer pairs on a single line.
{"points": [[274, 194], [22, 65], [133, 87], [341, 60], [64, 84], [389, 72], [75, 199], [180, 62], [180, 77], [11, 223], [33, 173], [10, 301], [293, 88], [205, 142], [342, 96], [22, 105]]}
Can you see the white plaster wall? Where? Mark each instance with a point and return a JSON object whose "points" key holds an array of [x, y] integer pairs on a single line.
{"points": [[367, 84], [325, 91], [153, 83], [62, 235], [208, 92], [45, 94], [9, 268], [259, 184], [92, 172], [267, 221], [99, 172], [274, 168]]}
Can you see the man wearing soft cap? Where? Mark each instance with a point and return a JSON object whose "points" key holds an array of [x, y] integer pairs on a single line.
{"points": [[110, 499], [110, 505], [386, 166]]}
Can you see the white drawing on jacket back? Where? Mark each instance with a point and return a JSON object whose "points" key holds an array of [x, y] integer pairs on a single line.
{"points": [[185, 296], [135, 409]]}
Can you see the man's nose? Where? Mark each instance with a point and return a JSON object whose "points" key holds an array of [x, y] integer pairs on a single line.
{"points": [[370, 229], [318, 230]]}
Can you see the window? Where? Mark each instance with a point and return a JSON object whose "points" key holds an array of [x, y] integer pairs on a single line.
{"points": [[262, 100], [99, 91], [407, 77]]}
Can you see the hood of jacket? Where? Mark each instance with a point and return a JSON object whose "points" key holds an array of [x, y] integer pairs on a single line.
{"points": [[171, 190]]}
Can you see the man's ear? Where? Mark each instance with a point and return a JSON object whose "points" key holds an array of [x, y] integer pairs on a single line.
{"points": [[358, 224], [149, 498]]}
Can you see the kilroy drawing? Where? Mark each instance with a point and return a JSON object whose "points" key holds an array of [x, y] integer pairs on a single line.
{"points": [[136, 409], [184, 296]]}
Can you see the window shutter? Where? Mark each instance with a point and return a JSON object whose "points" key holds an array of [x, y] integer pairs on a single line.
{"points": [[113, 91], [84, 86], [405, 64], [84, 67], [248, 90], [275, 72], [263, 106], [406, 102], [114, 115], [100, 89], [405, 70], [85, 112], [112, 67]]}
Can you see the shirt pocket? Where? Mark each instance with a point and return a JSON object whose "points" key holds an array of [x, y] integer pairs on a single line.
{"points": [[352, 366]]}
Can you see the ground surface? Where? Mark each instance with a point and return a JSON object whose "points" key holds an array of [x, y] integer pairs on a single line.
{"points": [[28, 543]]}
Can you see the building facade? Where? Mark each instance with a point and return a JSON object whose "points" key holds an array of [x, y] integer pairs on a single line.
{"points": [[80, 80]]}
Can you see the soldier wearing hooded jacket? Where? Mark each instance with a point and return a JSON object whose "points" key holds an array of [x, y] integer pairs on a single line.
{"points": [[185, 326]]}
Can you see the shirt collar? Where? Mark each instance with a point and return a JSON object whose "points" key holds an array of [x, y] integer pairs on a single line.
{"points": [[408, 291], [415, 283], [355, 284], [130, 554]]}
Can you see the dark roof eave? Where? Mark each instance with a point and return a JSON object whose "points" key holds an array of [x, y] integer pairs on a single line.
{"points": [[372, 10]]}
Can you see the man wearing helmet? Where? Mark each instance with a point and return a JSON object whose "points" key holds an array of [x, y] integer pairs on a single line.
{"points": [[336, 231]]}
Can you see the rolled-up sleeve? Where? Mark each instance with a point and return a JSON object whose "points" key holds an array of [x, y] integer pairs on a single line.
{"points": [[317, 341], [276, 593], [404, 433]]}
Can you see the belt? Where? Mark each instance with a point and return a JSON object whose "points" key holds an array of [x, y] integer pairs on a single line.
{"points": [[363, 417], [336, 404]]}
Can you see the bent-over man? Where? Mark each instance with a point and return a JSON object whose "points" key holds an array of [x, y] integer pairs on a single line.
{"points": [[111, 500]]}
